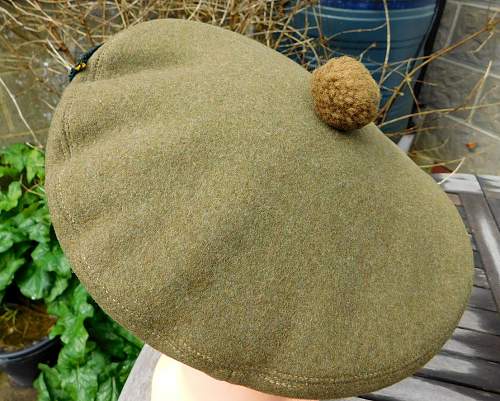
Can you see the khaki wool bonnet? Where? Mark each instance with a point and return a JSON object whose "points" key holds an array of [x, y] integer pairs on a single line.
{"points": [[208, 209]]}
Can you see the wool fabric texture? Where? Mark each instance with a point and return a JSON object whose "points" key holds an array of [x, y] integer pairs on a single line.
{"points": [[345, 94], [207, 208]]}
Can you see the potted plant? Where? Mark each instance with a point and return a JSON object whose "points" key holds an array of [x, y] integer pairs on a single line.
{"points": [[24, 341], [33, 270], [46, 315]]}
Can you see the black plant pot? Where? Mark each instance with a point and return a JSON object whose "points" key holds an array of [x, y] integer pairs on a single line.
{"points": [[22, 366]]}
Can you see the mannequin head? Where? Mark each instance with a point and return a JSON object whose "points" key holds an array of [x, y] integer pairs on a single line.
{"points": [[173, 380]]}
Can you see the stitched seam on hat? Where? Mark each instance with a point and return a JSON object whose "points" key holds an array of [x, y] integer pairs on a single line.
{"points": [[319, 381], [64, 127], [184, 349], [67, 135], [62, 144], [98, 70], [97, 64]]}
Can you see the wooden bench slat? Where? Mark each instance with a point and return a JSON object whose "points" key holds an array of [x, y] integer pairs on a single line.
{"points": [[491, 188], [463, 215], [455, 198], [472, 241], [482, 298], [422, 389], [461, 370], [474, 344], [458, 183], [138, 384], [480, 279], [481, 320], [487, 236], [478, 263]]}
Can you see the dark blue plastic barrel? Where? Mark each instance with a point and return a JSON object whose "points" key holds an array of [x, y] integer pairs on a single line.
{"points": [[357, 27]]}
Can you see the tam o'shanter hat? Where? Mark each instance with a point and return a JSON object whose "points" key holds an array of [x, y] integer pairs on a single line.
{"points": [[235, 212]]}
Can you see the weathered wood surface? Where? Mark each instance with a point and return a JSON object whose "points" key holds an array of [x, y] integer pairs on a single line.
{"points": [[468, 366], [477, 260], [459, 183], [472, 242], [480, 279], [474, 344], [480, 320], [138, 385], [482, 298], [480, 204], [423, 389], [457, 369], [491, 188]]}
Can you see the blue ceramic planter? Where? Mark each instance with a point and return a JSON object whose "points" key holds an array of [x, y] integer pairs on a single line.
{"points": [[410, 24]]}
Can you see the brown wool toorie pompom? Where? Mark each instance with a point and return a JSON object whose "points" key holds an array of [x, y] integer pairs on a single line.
{"points": [[345, 94]]}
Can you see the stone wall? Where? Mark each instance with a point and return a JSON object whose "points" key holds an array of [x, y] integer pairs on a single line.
{"points": [[468, 75]]}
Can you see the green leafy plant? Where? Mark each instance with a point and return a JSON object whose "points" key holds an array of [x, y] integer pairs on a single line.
{"points": [[97, 354], [30, 256]]}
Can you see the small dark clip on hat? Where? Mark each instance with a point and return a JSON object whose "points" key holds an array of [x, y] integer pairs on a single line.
{"points": [[82, 62]]}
